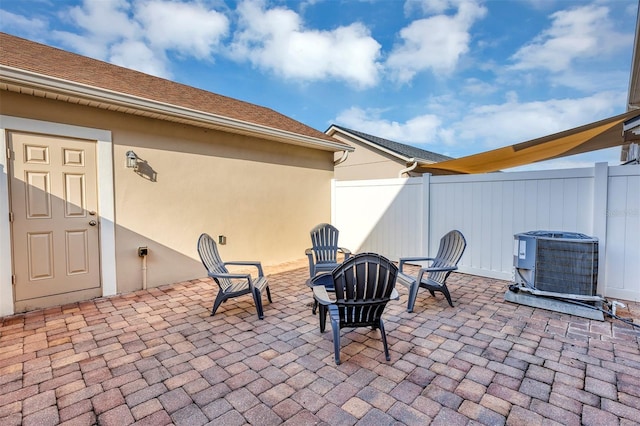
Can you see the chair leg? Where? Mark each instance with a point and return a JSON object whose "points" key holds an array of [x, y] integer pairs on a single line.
{"points": [[335, 327], [322, 316], [445, 291], [413, 293], [257, 298], [384, 340], [312, 267], [269, 294], [219, 299], [336, 342]]}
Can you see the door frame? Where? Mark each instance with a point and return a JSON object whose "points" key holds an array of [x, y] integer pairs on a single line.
{"points": [[104, 157]]}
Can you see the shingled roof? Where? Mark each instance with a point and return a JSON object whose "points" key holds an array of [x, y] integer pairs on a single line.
{"points": [[407, 152], [41, 70]]}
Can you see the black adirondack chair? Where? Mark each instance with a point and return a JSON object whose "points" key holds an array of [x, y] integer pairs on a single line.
{"points": [[363, 284]]}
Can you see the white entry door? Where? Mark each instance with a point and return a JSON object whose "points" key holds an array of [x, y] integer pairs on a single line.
{"points": [[54, 220]]}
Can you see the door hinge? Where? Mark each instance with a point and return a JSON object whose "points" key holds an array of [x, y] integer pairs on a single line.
{"points": [[8, 153], [10, 217], [13, 280]]}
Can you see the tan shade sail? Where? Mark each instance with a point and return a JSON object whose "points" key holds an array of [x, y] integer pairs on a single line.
{"points": [[591, 137]]}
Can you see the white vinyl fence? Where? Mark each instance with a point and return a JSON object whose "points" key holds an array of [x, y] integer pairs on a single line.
{"points": [[407, 217]]}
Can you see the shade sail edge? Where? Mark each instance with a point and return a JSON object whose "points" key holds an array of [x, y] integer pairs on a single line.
{"points": [[590, 137]]}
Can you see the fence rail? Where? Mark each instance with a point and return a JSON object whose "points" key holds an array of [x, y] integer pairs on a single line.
{"points": [[407, 217]]}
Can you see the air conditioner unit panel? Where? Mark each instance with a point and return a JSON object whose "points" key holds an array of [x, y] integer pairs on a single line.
{"points": [[525, 252]]}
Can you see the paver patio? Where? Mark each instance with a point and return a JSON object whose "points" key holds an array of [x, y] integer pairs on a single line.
{"points": [[156, 357]]}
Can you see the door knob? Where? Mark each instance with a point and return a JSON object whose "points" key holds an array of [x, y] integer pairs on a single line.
{"points": [[93, 223], [92, 213]]}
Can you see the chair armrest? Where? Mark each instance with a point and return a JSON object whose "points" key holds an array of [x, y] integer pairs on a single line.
{"points": [[231, 276], [404, 260], [237, 276], [405, 280], [308, 252], [394, 295], [317, 278], [345, 251], [437, 269], [247, 263], [321, 295]]}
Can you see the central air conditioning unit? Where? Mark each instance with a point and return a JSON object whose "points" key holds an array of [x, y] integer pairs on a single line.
{"points": [[557, 271], [557, 262]]}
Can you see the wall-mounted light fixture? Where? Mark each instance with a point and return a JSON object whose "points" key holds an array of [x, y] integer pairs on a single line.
{"points": [[132, 160]]}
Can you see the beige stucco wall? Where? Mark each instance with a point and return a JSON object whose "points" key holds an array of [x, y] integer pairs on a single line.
{"points": [[263, 196], [366, 162]]}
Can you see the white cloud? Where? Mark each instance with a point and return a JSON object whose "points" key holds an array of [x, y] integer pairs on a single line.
{"points": [[102, 24], [592, 81], [137, 55], [143, 34], [83, 44], [139, 35], [477, 87], [485, 127], [276, 40], [435, 43], [105, 21], [580, 33], [189, 28], [416, 130], [11, 22], [497, 125]]}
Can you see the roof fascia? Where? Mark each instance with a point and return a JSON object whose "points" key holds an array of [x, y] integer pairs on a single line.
{"points": [[633, 95], [38, 81], [631, 124], [409, 160], [631, 129], [633, 100]]}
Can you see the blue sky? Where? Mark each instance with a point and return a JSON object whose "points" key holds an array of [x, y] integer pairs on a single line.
{"points": [[455, 77]]}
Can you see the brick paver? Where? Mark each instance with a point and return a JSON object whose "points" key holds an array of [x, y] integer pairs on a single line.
{"points": [[156, 357]]}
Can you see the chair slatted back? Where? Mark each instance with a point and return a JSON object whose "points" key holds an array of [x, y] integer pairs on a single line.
{"points": [[208, 251], [324, 240], [363, 286], [452, 246]]}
